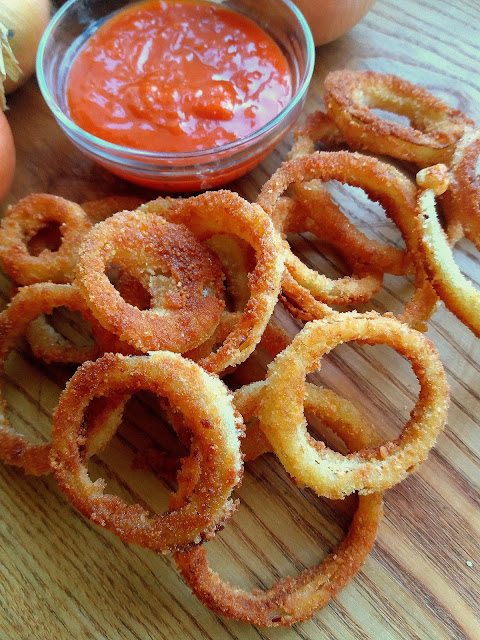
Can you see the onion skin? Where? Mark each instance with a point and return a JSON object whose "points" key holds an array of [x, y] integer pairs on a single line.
{"points": [[27, 20], [7, 157]]}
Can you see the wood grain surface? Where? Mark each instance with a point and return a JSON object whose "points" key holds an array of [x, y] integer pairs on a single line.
{"points": [[64, 578]]}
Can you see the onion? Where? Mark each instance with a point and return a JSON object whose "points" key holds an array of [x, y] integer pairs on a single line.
{"points": [[329, 19], [7, 157], [24, 22]]}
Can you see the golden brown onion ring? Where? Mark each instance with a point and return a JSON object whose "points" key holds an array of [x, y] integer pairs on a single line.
{"points": [[325, 217], [384, 184], [295, 599], [207, 406], [220, 212], [23, 221], [325, 471], [351, 96], [183, 278]]}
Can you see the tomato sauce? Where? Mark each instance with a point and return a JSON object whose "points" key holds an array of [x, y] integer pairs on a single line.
{"points": [[177, 76]]}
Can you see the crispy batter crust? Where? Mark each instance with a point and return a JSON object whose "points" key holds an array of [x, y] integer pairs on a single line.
{"points": [[461, 202], [459, 295]]}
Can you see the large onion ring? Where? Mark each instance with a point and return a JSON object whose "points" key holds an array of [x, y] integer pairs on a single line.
{"points": [[325, 471], [207, 406], [218, 212], [186, 307], [435, 127], [23, 221], [383, 183], [294, 599]]}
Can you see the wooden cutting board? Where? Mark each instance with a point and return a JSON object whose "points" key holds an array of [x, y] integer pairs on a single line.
{"points": [[64, 578]]}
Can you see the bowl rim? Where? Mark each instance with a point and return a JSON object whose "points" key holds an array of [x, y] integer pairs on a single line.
{"points": [[144, 155]]}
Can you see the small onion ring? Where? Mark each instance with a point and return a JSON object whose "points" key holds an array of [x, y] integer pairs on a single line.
{"points": [[325, 471], [458, 294], [23, 221], [207, 406], [29, 302], [295, 599], [186, 308], [218, 212], [436, 127]]}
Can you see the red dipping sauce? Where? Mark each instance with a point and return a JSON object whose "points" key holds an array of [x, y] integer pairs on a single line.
{"points": [[177, 76]]}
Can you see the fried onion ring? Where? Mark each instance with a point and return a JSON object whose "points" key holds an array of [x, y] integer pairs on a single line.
{"points": [[207, 406], [362, 285], [186, 307], [384, 184], [458, 294], [29, 302], [325, 471], [219, 212], [294, 599], [327, 220], [351, 96], [23, 221]]}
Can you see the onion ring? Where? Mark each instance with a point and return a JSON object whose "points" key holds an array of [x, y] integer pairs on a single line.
{"points": [[207, 406], [364, 282], [329, 473], [461, 202], [294, 599], [29, 302], [458, 294], [327, 219], [23, 221], [435, 127], [220, 212], [186, 307], [383, 183], [49, 345]]}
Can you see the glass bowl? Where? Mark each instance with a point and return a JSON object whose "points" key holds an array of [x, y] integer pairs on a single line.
{"points": [[75, 22]]}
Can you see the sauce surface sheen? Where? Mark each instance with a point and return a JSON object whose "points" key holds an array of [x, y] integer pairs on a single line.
{"points": [[176, 76]]}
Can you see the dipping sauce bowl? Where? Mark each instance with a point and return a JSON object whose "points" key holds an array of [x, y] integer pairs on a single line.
{"points": [[195, 170]]}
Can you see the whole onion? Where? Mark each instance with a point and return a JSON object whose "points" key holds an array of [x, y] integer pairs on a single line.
{"points": [[24, 22]]}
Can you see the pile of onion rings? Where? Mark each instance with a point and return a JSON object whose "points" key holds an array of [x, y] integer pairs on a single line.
{"points": [[179, 292]]}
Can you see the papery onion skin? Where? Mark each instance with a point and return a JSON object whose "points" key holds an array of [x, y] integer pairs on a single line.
{"points": [[26, 20]]}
